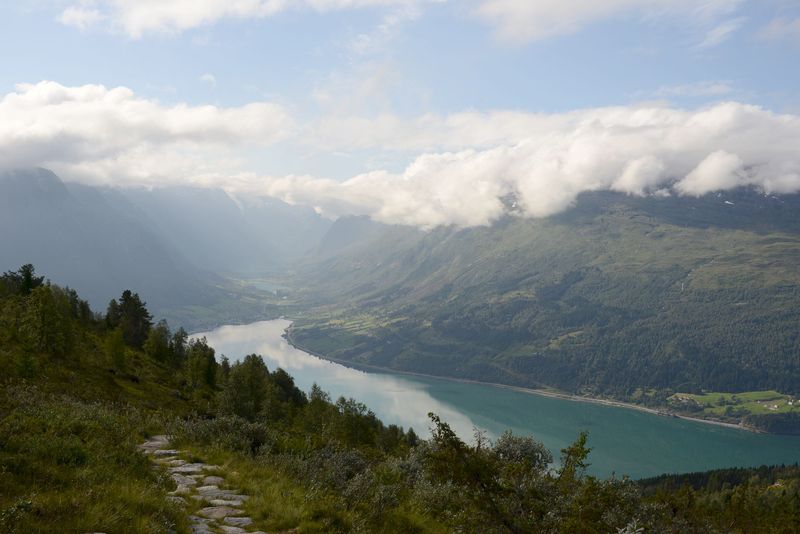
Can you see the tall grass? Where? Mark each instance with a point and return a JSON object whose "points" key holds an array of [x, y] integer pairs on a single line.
{"points": [[73, 466]]}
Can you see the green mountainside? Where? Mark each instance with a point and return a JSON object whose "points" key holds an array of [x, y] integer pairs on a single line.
{"points": [[633, 298], [81, 390]]}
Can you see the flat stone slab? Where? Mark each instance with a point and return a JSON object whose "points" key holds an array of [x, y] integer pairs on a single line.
{"points": [[166, 452], [183, 479], [182, 489], [188, 468], [238, 521], [224, 502], [232, 530], [222, 497], [219, 512], [213, 481]]}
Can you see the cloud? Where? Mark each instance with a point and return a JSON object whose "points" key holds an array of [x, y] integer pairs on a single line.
{"points": [[720, 170], [102, 135], [721, 33], [465, 167], [80, 17], [524, 20], [694, 90], [138, 17], [780, 29], [544, 162], [385, 32], [209, 79]]}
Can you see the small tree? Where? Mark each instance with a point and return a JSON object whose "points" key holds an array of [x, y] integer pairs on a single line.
{"points": [[157, 345], [23, 281], [115, 350], [46, 321], [201, 365], [132, 316], [177, 348], [247, 388]]}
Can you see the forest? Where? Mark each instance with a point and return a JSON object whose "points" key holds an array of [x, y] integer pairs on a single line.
{"points": [[634, 299]]}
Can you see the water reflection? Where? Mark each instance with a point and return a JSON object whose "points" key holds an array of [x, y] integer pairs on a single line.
{"points": [[394, 399], [623, 441]]}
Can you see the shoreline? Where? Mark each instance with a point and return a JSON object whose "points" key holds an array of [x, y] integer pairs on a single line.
{"points": [[530, 391]]}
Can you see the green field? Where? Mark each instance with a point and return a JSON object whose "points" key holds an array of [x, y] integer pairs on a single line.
{"points": [[714, 403]]}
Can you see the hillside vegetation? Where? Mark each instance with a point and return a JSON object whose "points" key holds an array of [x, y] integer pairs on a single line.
{"points": [[80, 390], [634, 298]]}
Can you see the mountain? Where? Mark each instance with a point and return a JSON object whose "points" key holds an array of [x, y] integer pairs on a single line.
{"points": [[172, 246], [624, 296], [77, 235], [221, 234]]}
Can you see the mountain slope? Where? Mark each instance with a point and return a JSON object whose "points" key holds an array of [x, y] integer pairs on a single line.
{"points": [[82, 239], [97, 241], [216, 233], [619, 295]]}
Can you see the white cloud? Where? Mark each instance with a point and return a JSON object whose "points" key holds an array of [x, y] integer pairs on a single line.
{"points": [[102, 135], [80, 17], [138, 17], [209, 79], [721, 33], [527, 20], [464, 166], [781, 28], [386, 31], [719, 171], [546, 161]]}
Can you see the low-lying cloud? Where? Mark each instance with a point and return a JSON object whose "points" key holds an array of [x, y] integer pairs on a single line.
{"points": [[633, 150], [466, 169], [99, 135]]}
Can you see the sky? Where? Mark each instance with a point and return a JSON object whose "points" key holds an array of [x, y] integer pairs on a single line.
{"points": [[422, 112]]}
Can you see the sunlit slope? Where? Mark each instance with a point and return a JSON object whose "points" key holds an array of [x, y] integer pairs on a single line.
{"points": [[617, 294]]}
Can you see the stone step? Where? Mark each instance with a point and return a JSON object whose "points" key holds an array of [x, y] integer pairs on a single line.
{"points": [[219, 512], [238, 521]]}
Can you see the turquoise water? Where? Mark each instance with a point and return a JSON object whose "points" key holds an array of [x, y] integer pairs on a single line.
{"points": [[623, 441]]}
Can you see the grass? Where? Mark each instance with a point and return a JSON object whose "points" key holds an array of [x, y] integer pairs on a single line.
{"points": [[73, 466], [739, 404], [276, 503]]}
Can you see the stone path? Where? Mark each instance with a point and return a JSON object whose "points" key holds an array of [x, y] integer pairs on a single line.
{"points": [[221, 510]]}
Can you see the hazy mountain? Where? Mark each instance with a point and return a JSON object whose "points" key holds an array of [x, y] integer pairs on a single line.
{"points": [[292, 231], [214, 232], [169, 245], [616, 294], [75, 235]]}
